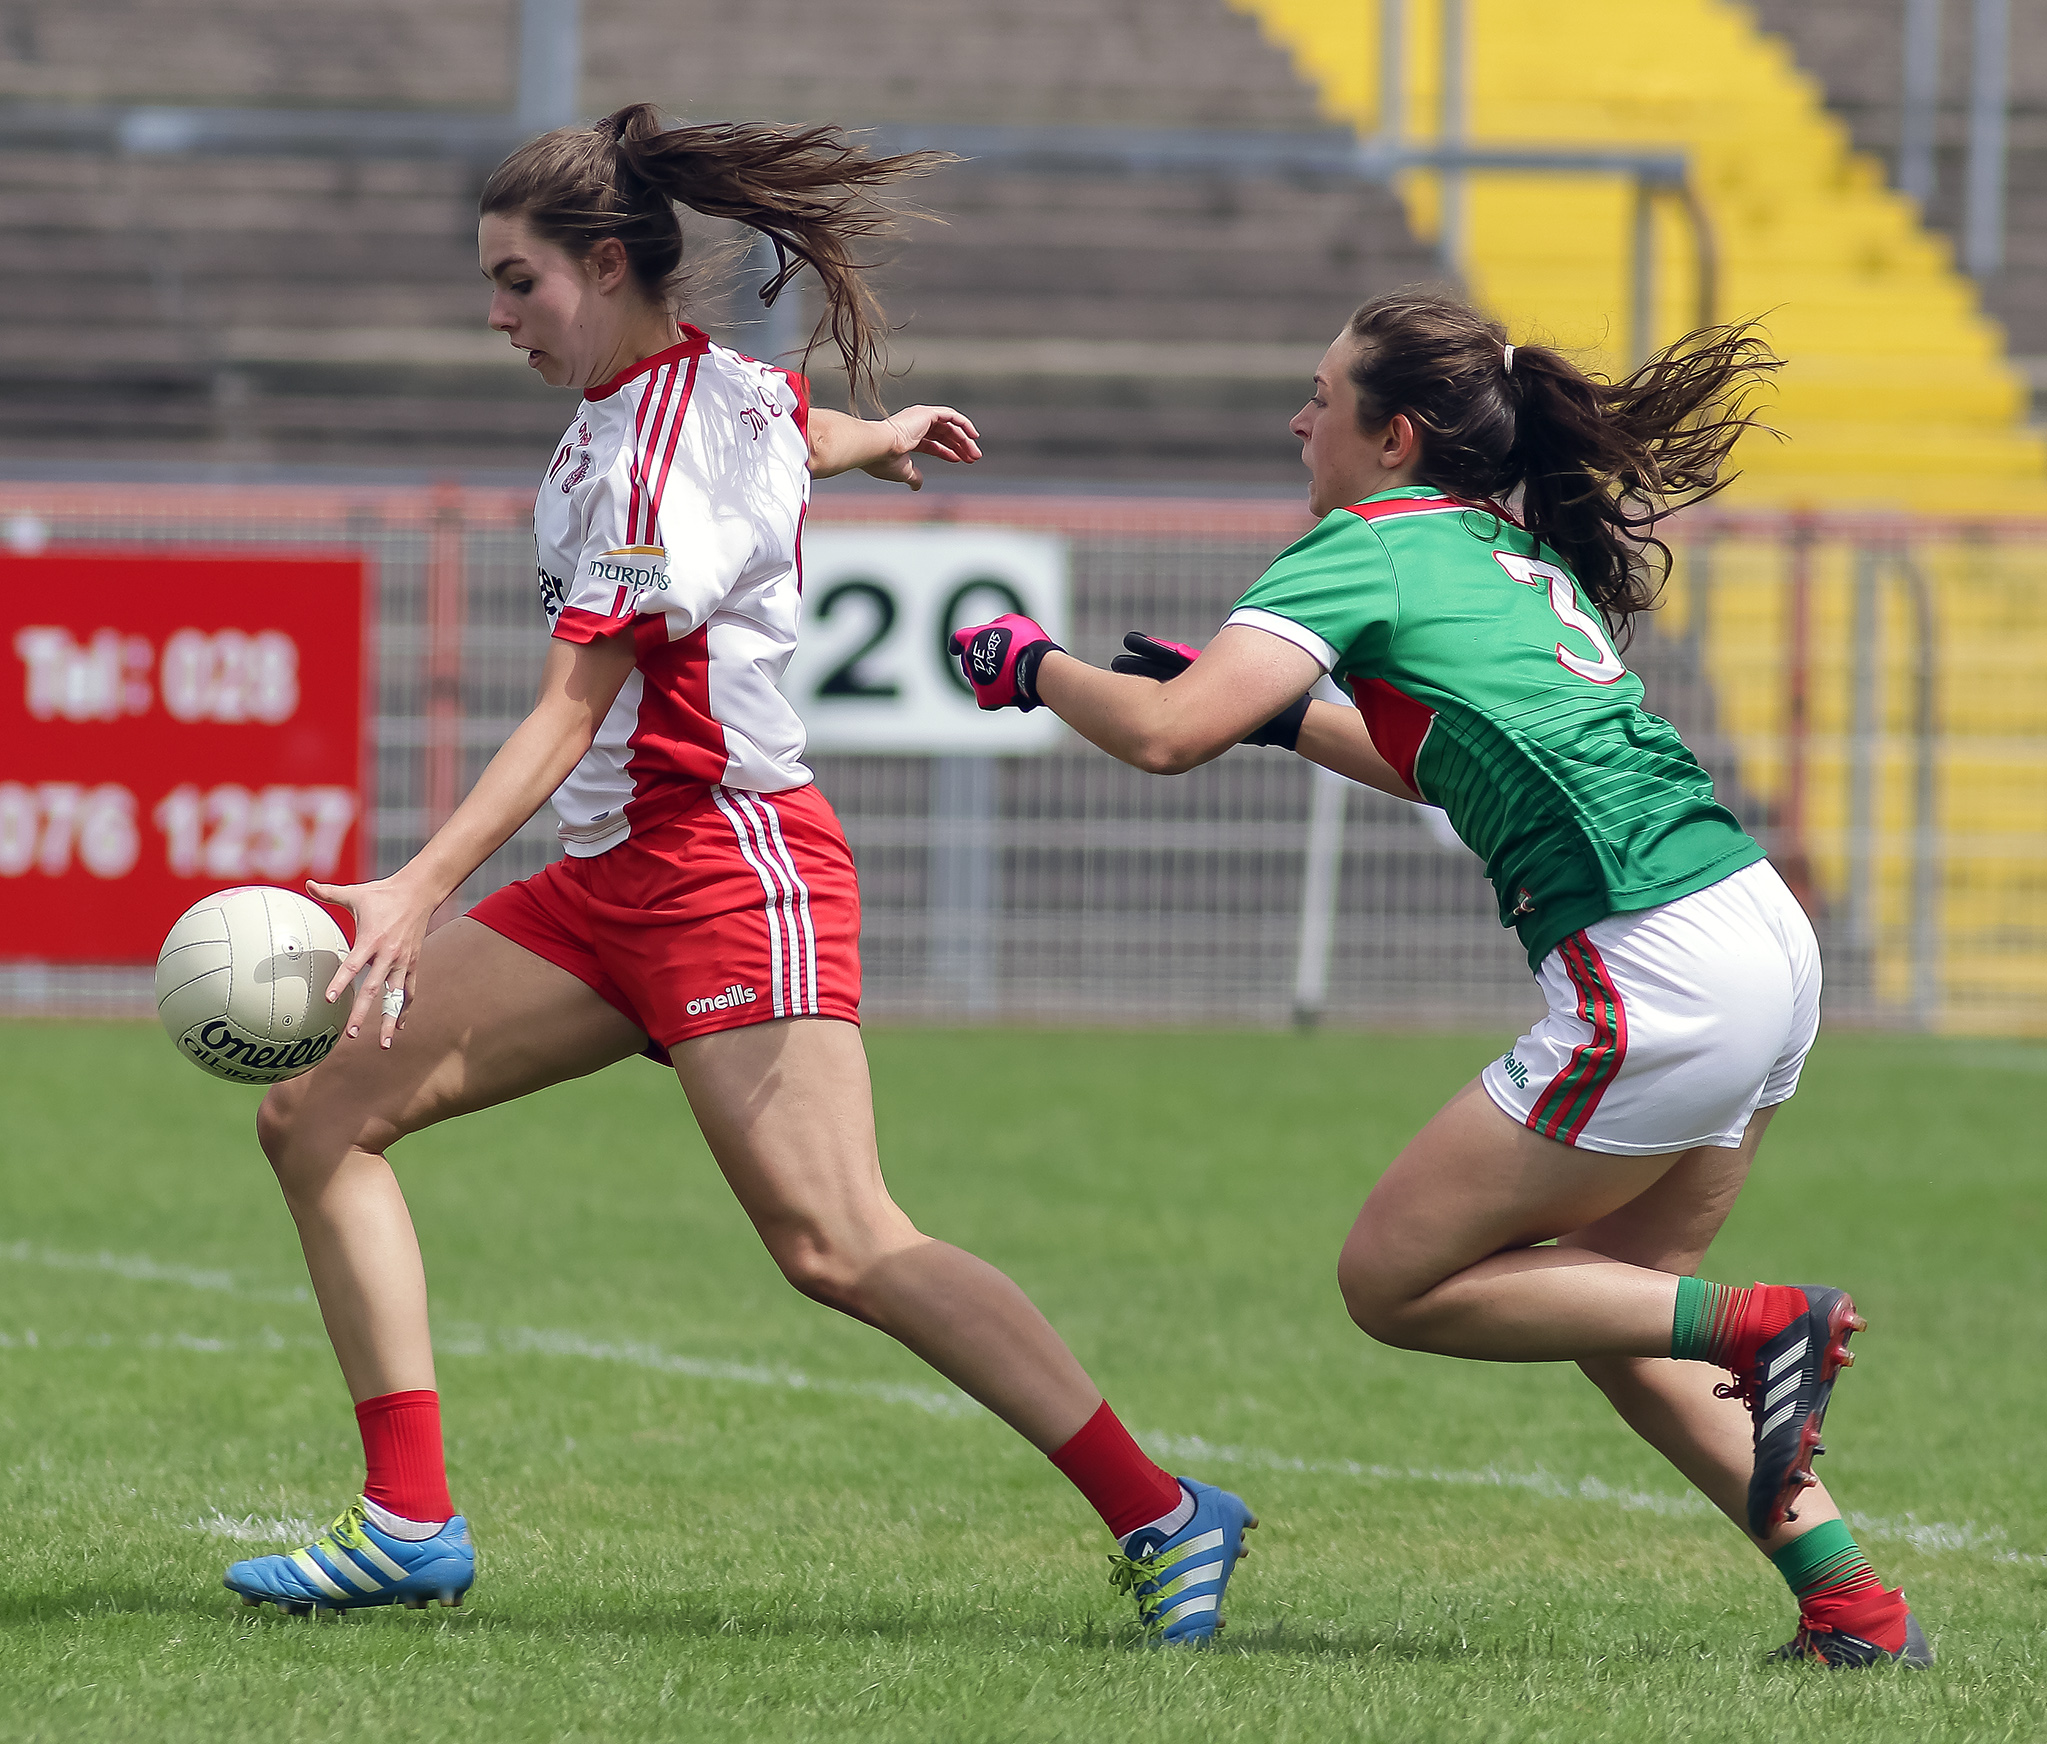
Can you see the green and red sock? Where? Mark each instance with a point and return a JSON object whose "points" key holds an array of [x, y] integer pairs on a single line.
{"points": [[1725, 1325], [1836, 1588]]}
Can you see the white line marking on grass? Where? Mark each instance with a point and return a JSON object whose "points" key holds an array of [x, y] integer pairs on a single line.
{"points": [[1193, 1449], [511, 1341], [255, 1529], [1930, 1536], [268, 1340], [531, 1341], [141, 1269]]}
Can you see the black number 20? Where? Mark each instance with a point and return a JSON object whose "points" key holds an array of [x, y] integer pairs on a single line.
{"points": [[844, 679]]}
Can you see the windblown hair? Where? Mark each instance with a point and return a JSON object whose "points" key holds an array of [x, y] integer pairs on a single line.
{"points": [[810, 190], [1597, 464]]}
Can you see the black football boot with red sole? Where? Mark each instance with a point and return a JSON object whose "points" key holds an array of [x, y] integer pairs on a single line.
{"points": [[1845, 1652], [1786, 1392]]}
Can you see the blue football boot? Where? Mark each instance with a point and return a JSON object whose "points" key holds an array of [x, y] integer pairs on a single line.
{"points": [[356, 1564], [1178, 1581]]}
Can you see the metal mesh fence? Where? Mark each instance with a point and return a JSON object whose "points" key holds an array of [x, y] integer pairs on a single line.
{"points": [[1869, 697]]}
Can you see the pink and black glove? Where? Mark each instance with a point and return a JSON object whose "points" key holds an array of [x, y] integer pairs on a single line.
{"points": [[1000, 660], [1151, 658]]}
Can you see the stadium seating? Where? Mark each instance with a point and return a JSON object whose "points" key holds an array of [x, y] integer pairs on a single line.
{"points": [[298, 308], [1992, 673], [1899, 394], [249, 310], [1856, 51]]}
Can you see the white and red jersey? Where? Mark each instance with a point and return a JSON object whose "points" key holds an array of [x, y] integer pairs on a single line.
{"points": [[674, 507]]}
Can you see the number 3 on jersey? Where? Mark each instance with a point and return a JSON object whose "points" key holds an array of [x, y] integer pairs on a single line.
{"points": [[1563, 600]]}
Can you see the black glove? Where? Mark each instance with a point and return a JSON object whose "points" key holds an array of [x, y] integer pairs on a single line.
{"points": [[1151, 658]]}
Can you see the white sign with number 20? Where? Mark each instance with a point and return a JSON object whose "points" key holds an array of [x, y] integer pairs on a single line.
{"points": [[872, 670]]}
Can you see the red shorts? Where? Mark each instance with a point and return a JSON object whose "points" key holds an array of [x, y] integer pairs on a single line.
{"points": [[740, 908]]}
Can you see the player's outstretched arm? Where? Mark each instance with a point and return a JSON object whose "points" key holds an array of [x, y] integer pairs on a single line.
{"points": [[577, 688], [1241, 681], [888, 447], [1324, 733]]}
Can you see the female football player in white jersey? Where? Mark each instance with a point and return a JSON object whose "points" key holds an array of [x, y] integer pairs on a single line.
{"points": [[1682, 978], [706, 909]]}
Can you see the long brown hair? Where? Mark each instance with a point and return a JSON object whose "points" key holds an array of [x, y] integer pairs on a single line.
{"points": [[1597, 463], [810, 190]]}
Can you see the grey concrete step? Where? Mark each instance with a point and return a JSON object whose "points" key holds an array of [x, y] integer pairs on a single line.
{"points": [[315, 308]]}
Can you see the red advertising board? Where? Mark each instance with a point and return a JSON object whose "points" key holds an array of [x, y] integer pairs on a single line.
{"points": [[169, 725]]}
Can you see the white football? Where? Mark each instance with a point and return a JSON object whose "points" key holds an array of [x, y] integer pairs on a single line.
{"points": [[241, 984]]}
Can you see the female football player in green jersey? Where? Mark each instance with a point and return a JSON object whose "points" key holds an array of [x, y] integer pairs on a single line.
{"points": [[1486, 529]]}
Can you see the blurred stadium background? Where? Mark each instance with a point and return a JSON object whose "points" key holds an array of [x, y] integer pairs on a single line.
{"points": [[238, 313]]}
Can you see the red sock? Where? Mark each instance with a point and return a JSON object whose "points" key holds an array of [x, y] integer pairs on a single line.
{"points": [[1750, 1319], [1870, 1612], [1111, 1470], [401, 1444]]}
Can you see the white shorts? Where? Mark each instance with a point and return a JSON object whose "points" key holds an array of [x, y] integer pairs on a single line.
{"points": [[1669, 1027]]}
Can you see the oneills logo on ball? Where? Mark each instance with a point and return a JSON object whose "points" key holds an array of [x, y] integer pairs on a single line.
{"points": [[229, 1054]]}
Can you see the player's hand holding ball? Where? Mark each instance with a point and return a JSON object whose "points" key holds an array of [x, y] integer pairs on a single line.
{"points": [[390, 927], [1000, 660]]}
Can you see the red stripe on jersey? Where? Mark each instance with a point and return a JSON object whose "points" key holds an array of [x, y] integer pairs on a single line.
{"points": [[1402, 506], [799, 385], [675, 735], [638, 518], [1398, 724], [693, 343], [689, 386], [632, 472], [578, 625]]}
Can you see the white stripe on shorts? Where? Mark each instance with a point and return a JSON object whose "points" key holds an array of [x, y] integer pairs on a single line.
{"points": [[748, 803], [807, 992], [769, 888]]}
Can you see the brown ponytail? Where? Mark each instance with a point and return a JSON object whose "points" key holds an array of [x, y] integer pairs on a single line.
{"points": [[809, 190], [1597, 464]]}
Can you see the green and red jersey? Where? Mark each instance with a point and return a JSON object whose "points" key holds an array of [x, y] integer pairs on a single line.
{"points": [[1488, 681]]}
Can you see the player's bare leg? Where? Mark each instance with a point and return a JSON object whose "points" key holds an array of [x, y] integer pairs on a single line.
{"points": [[787, 1109], [1443, 1257], [788, 1112], [1663, 1231], [1845, 1616], [1672, 1405], [491, 1022], [1446, 1256]]}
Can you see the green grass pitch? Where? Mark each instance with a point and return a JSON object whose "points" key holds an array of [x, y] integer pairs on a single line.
{"points": [[709, 1509]]}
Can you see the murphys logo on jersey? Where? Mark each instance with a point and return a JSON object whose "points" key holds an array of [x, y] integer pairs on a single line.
{"points": [[635, 571]]}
